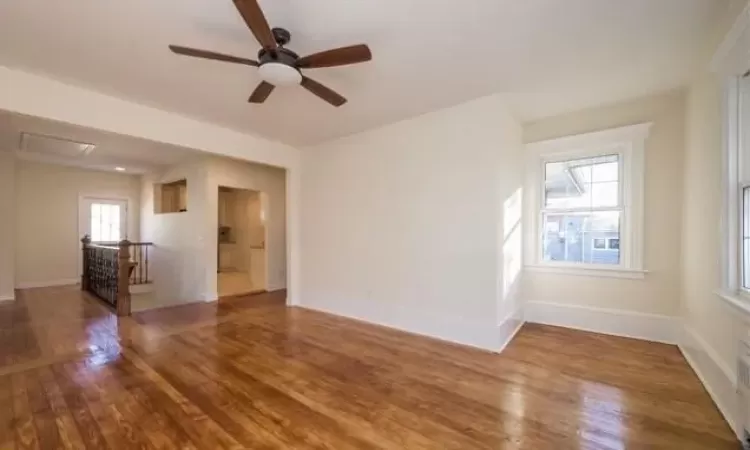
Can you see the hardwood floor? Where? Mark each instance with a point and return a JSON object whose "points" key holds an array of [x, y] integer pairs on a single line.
{"points": [[249, 373]]}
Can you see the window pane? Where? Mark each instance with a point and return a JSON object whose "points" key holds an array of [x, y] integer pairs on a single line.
{"points": [[565, 196], [105, 222], [606, 172], [114, 222], [582, 183], [95, 220], [746, 238], [605, 194], [580, 170], [571, 237]]}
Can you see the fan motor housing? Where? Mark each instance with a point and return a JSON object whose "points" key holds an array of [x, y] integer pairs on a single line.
{"points": [[279, 55]]}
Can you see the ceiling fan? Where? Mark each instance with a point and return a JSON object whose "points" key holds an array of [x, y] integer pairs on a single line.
{"points": [[279, 66]]}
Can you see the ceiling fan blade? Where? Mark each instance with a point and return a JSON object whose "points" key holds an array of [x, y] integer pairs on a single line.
{"points": [[187, 51], [323, 92], [256, 21], [337, 57], [261, 93]]}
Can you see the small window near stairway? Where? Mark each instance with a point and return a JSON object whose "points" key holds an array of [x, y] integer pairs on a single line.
{"points": [[170, 197]]}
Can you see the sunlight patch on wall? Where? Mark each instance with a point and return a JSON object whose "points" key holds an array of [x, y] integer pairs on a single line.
{"points": [[512, 240]]}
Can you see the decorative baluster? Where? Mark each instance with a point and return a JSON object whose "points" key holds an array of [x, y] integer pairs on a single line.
{"points": [[123, 279], [86, 264], [140, 264]]}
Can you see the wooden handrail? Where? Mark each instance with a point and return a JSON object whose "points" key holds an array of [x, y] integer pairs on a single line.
{"points": [[116, 244], [108, 247]]}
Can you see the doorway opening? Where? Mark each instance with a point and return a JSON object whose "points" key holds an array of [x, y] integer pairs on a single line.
{"points": [[104, 220], [241, 248]]}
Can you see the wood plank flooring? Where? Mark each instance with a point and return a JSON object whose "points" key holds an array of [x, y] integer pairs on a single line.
{"points": [[249, 373]]}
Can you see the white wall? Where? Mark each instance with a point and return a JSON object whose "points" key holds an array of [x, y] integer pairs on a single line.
{"points": [[657, 296], [184, 255], [8, 225], [178, 265], [47, 215], [403, 224]]}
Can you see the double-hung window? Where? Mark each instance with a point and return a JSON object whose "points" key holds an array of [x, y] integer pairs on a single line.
{"points": [[587, 203], [731, 64], [739, 175], [736, 205]]}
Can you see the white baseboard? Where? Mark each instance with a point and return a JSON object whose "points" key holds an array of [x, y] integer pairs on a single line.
{"points": [[7, 297], [451, 329], [275, 288], [649, 327], [209, 297], [509, 327], [138, 289], [717, 377], [40, 284]]}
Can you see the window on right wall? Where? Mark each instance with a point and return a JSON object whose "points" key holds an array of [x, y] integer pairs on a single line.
{"points": [[586, 208], [736, 201], [738, 172]]}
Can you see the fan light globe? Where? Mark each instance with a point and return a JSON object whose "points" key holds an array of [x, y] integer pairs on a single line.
{"points": [[279, 74]]}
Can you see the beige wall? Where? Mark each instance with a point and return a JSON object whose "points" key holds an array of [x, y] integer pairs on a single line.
{"points": [[659, 292], [47, 215], [7, 225]]}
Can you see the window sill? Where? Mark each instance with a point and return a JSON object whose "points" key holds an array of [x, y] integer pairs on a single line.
{"points": [[736, 300], [589, 271]]}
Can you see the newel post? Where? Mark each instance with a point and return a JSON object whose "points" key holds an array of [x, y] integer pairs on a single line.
{"points": [[123, 279], [85, 241]]}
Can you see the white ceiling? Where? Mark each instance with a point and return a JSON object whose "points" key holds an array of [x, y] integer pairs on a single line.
{"points": [[135, 155], [551, 56]]}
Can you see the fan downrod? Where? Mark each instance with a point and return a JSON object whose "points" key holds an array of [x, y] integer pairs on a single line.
{"points": [[281, 35]]}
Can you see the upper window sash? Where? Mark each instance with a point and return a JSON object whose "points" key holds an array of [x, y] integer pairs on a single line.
{"points": [[600, 180]]}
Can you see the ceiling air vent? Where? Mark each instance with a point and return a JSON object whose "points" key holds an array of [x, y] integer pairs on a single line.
{"points": [[50, 145]]}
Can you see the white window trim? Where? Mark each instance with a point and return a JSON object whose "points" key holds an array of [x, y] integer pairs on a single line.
{"points": [[629, 143], [730, 63]]}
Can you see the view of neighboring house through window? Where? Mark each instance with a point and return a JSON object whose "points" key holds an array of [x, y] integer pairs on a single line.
{"points": [[582, 210]]}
